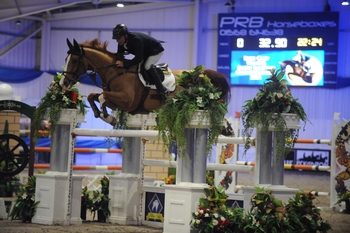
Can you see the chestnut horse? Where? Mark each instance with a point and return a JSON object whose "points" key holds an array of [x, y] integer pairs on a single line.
{"points": [[122, 88]]}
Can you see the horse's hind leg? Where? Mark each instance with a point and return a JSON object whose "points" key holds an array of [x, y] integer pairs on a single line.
{"points": [[92, 98]]}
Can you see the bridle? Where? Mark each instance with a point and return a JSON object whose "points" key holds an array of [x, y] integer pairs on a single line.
{"points": [[72, 80]]}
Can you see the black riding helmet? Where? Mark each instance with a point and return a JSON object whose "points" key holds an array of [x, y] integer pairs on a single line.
{"points": [[119, 30]]}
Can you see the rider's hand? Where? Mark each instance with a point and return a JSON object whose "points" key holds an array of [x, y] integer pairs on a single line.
{"points": [[119, 64]]}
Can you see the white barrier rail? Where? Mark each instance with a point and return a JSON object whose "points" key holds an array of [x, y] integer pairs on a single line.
{"points": [[147, 134], [210, 166]]}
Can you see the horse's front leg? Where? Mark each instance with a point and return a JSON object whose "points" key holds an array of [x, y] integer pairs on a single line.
{"points": [[104, 114], [92, 98]]}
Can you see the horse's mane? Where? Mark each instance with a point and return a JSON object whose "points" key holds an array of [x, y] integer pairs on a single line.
{"points": [[219, 80], [97, 45]]}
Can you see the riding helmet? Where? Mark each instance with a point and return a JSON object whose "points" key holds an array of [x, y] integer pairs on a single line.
{"points": [[119, 30]]}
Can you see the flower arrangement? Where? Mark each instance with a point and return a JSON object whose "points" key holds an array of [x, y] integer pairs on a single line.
{"points": [[272, 100], [171, 179], [86, 202], [213, 215], [54, 101], [267, 214], [25, 206], [304, 216], [343, 196], [198, 94], [100, 199]]}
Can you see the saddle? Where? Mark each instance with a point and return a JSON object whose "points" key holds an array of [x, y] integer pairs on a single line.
{"points": [[161, 68], [165, 74]]}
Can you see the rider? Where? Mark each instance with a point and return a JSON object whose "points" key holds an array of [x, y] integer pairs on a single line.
{"points": [[144, 48], [305, 60]]}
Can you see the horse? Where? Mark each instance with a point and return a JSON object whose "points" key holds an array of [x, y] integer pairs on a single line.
{"points": [[295, 72], [123, 88]]}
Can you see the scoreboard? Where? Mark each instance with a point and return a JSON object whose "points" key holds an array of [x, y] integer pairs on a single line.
{"points": [[304, 45]]}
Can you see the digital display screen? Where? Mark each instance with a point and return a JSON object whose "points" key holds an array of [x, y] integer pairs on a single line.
{"points": [[304, 45]]}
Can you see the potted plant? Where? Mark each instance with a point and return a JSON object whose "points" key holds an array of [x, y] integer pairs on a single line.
{"points": [[51, 105], [214, 216], [86, 202], [267, 214], [267, 109], [25, 205], [304, 216], [199, 95], [344, 196], [100, 201]]}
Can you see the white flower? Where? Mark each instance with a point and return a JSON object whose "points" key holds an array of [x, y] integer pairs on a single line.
{"points": [[53, 97], [215, 222], [253, 220], [196, 213], [308, 216], [318, 223], [198, 221], [211, 96], [201, 211], [206, 215], [174, 100], [199, 99], [216, 215], [279, 95], [222, 218], [200, 88]]}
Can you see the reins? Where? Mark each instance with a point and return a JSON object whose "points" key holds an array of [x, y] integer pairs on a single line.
{"points": [[92, 74]]}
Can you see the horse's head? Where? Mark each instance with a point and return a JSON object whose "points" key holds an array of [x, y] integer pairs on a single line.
{"points": [[75, 65]]}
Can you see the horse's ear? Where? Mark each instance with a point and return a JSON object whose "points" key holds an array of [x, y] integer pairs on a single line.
{"points": [[69, 44], [76, 45]]}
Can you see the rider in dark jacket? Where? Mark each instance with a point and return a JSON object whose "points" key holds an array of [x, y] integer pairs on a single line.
{"points": [[144, 48]]}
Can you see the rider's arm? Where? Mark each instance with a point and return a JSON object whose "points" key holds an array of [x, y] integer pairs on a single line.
{"points": [[136, 46]]}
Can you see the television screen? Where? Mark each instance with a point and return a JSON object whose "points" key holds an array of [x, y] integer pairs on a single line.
{"points": [[303, 45], [252, 67]]}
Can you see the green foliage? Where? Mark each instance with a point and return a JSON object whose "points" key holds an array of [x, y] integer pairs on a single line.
{"points": [[198, 94], [100, 198], [267, 214], [55, 100], [25, 205], [266, 108], [213, 214], [86, 198], [303, 214]]}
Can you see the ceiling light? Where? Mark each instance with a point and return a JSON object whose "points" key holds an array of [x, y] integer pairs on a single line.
{"points": [[120, 5], [345, 3]]}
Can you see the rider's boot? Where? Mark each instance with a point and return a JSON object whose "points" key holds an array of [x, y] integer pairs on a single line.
{"points": [[162, 92]]}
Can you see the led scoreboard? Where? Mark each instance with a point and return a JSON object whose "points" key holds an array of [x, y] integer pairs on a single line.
{"points": [[304, 45]]}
